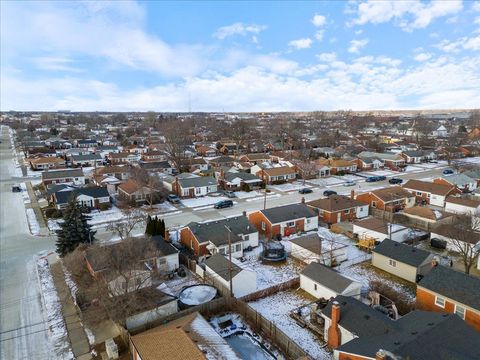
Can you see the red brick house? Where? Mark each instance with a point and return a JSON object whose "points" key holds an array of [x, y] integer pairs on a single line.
{"points": [[392, 199], [277, 174], [337, 166], [338, 208], [449, 291]]}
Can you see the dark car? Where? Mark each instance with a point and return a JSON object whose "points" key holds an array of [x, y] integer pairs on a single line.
{"points": [[174, 199], [223, 204], [229, 194], [329, 192], [437, 243], [372, 179], [447, 172], [16, 188], [381, 178], [395, 181], [305, 191]]}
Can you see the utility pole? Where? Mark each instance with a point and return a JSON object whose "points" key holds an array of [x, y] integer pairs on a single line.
{"points": [[230, 258]]}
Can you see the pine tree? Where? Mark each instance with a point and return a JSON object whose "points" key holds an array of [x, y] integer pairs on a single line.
{"points": [[149, 227], [74, 230]]}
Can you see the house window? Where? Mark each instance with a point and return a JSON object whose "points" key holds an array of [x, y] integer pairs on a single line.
{"points": [[374, 204], [460, 311], [315, 287], [290, 223], [222, 251], [238, 247], [309, 221], [246, 237], [198, 191], [264, 226], [439, 301], [138, 281], [392, 263], [419, 193], [346, 211]]}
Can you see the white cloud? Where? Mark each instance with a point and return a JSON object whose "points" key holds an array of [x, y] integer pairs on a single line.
{"points": [[463, 43], [319, 34], [55, 64], [476, 6], [328, 57], [408, 14], [356, 45], [238, 29], [298, 44], [422, 57], [319, 20]]}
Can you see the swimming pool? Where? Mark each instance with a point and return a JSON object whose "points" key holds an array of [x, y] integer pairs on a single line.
{"points": [[247, 347]]}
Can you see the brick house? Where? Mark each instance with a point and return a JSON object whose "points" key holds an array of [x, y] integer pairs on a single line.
{"points": [[338, 165], [277, 174], [461, 181], [45, 163], [369, 163], [338, 208], [131, 191], [284, 220], [67, 176], [430, 193], [449, 291], [391, 199], [256, 158]]}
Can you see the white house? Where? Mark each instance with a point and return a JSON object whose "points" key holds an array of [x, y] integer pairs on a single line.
{"points": [[167, 256], [323, 282], [312, 248], [459, 205], [379, 230], [190, 185], [217, 270]]}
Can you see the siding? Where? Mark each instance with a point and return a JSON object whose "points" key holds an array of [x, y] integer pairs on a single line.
{"points": [[402, 270]]}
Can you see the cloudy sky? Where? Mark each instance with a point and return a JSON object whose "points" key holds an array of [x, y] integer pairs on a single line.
{"points": [[239, 56]]}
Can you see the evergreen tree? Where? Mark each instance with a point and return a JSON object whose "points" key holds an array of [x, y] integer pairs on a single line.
{"points": [[149, 228], [74, 229]]}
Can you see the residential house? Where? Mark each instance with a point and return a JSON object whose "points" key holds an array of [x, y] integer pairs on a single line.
{"points": [[369, 163], [239, 181], [188, 185], [221, 161], [448, 291], [338, 208], [430, 193], [311, 247], [405, 261], [284, 220], [413, 156], [213, 236], [87, 143], [426, 215], [207, 151], [418, 335], [220, 270], [66, 176], [391, 160], [461, 181], [122, 158], [321, 281], [378, 229], [461, 205], [157, 166], [467, 243], [91, 197], [337, 166], [131, 191], [45, 163], [192, 335], [277, 175], [194, 164], [86, 160], [390, 199], [153, 156], [255, 158]]}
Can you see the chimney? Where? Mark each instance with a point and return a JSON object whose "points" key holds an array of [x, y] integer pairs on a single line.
{"points": [[334, 336], [352, 194], [303, 200], [380, 355]]}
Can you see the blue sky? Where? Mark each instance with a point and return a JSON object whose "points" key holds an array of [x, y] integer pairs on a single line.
{"points": [[239, 56]]}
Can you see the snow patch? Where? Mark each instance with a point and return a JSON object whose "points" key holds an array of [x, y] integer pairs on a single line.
{"points": [[197, 294], [32, 222]]}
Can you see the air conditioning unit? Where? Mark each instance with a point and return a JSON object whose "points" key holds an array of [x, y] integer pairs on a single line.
{"points": [[112, 349]]}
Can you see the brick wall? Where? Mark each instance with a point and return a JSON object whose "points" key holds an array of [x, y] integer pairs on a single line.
{"points": [[188, 239]]}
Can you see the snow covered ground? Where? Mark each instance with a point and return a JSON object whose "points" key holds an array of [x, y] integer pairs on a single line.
{"points": [[379, 173], [277, 308], [269, 196], [294, 186], [205, 201], [414, 168], [32, 222], [248, 195], [53, 309], [472, 160]]}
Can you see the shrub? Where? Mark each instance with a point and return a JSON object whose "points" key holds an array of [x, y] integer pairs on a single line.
{"points": [[52, 213], [103, 207]]}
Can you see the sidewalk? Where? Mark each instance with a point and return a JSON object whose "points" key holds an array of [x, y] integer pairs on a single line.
{"points": [[76, 333], [36, 208]]}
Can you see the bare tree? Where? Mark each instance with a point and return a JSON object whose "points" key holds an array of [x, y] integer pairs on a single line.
{"points": [[151, 187], [463, 237], [131, 217], [176, 138]]}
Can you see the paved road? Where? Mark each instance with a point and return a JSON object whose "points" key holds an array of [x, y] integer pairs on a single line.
{"points": [[20, 299]]}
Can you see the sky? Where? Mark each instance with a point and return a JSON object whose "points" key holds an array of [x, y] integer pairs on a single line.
{"points": [[239, 56]]}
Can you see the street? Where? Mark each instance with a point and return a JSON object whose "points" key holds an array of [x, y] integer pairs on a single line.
{"points": [[23, 333]]}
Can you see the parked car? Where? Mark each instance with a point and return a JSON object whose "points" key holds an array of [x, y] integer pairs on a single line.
{"points": [[438, 243], [230, 194], [372, 179], [305, 191], [329, 192], [448, 172], [395, 181], [223, 204], [16, 188], [350, 183], [174, 199], [381, 178]]}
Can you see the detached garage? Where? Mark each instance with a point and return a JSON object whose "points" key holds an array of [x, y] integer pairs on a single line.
{"points": [[323, 282]]}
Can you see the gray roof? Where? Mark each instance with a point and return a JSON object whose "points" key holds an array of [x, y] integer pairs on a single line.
{"points": [[288, 212], [62, 197], [414, 153], [58, 174], [199, 181], [454, 285], [358, 318], [229, 176], [164, 247], [216, 232], [421, 335], [311, 242], [327, 277], [86, 157], [401, 252], [221, 266]]}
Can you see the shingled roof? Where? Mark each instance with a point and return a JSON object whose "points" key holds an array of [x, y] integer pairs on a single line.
{"points": [[327, 277], [288, 212], [406, 254], [429, 187], [335, 203]]}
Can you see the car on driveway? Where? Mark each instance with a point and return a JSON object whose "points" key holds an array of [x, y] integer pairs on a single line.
{"points": [[329, 192], [174, 199], [305, 191], [16, 188], [223, 204], [448, 172], [230, 194], [395, 181], [350, 183]]}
